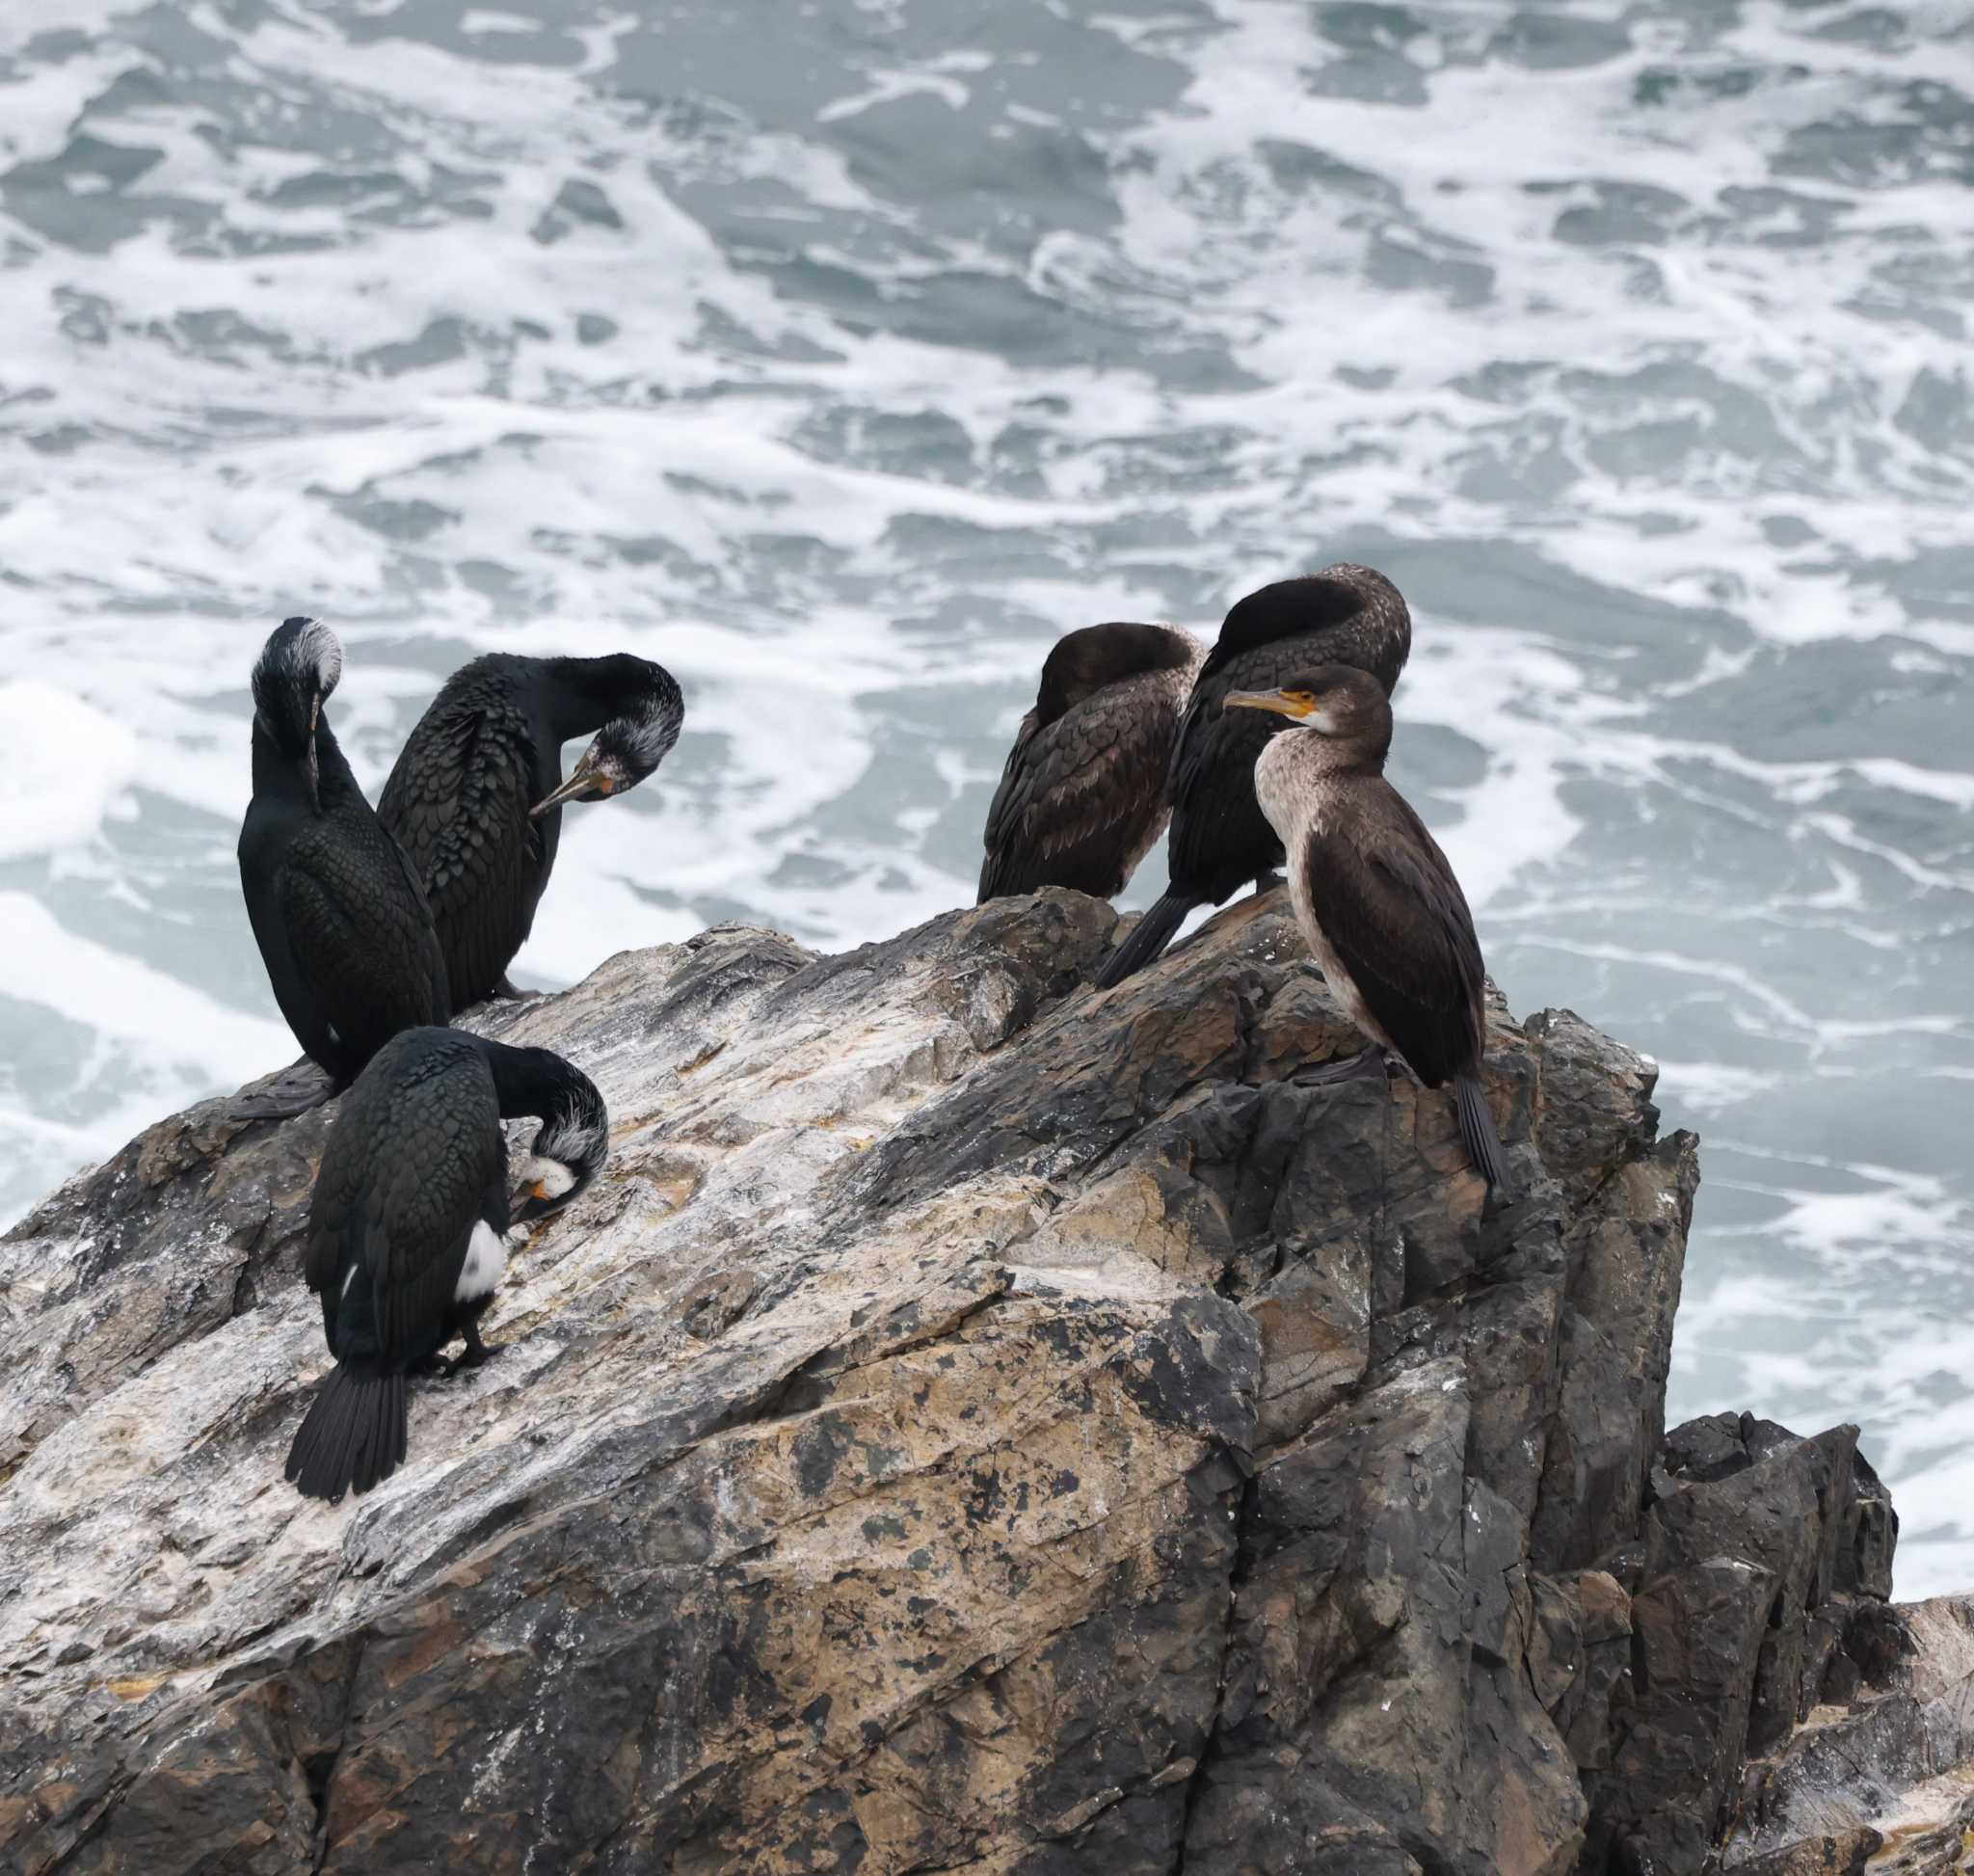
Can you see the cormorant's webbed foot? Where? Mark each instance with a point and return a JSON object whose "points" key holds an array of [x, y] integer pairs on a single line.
{"points": [[476, 1351], [1267, 882], [1369, 1064], [295, 1089], [507, 991]]}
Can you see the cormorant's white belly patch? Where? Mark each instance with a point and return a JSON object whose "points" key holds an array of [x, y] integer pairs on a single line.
{"points": [[485, 1259]]}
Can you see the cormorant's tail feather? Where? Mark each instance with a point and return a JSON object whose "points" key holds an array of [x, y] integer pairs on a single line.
{"points": [[1151, 935], [354, 1436], [1476, 1130]]}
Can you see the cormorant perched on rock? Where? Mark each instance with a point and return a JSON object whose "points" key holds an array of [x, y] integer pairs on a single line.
{"points": [[408, 1227], [339, 916], [1083, 797], [476, 795], [1383, 914], [1219, 838]]}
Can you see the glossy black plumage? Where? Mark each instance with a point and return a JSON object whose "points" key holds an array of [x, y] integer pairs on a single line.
{"points": [[340, 919], [1376, 898], [1219, 839], [413, 1180], [464, 796], [1082, 795]]}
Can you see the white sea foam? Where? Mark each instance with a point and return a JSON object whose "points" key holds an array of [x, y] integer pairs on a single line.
{"points": [[62, 766]]}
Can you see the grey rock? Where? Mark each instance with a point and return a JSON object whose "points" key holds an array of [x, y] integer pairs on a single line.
{"points": [[972, 1424]]}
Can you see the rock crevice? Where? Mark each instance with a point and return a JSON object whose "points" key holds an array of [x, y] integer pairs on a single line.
{"points": [[973, 1424]]}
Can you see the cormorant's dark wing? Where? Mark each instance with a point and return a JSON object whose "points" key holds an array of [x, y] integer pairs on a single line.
{"points": [[458, 802], [1081, 797], [353, 920], [1220, 838], [432, 1150], [1393, 912]]}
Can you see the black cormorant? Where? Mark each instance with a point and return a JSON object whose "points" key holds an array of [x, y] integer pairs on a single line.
{"points": [[1220, 839], [408, 1227], [339, 916], [476, 795], [1083, 797], [1383, 914]]}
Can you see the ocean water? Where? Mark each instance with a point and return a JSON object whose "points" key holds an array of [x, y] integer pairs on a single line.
{"points": [[841, 354]]}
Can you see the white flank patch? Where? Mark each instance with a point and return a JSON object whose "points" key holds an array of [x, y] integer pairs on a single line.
{"points": [[485, 1259]]}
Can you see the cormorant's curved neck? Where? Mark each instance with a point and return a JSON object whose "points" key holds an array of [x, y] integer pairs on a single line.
{"points": [[1363, 754], [336, 780], [581, 694], [535, 1082], [277, 774]]}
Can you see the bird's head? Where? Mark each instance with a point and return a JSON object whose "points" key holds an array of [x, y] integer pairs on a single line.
{"points": [[293, 676], [572, 1144], [1337, 701], [647, 711]]}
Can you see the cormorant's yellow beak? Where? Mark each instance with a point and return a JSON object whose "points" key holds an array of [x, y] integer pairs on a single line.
{"points": [[586, 781], [1296, 704], [539, 1191]]}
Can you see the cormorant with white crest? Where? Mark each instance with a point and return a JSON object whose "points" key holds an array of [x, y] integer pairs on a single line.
{"points": [[1082, 798], [1220, 840], [338, 914], [408, 1228], [1384, 915], [476, 794]]}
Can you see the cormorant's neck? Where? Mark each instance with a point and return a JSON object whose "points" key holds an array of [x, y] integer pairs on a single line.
{"points": [[336, 781], [279, 775], [577, 697], [535, 1082], [276, 772]]}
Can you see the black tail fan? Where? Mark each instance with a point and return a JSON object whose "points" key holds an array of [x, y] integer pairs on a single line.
{"points": [[1149, 937], [354, 1436], [1476, 1130]]}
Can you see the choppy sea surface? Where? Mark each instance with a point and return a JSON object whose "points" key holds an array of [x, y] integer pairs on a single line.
{"points": [[841, 354]]}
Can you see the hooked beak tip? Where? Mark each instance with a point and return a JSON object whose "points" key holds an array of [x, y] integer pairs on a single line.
{"points": [[585, 783]]}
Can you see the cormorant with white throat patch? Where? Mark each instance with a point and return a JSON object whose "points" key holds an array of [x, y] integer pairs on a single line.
{"points": [[477, 794], [339, 916], [1083, 797], [1384, 915], [1220, 838], [408, 1228]]}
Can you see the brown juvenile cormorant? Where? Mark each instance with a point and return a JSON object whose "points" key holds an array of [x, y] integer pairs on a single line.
{"points": [[339, 916], [1385, 918], [408, 1227], [1083, 797], [476, 795], [1220, 838]]}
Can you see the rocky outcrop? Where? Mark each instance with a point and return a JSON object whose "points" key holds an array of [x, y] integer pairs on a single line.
{"points": [[974, 1425]]}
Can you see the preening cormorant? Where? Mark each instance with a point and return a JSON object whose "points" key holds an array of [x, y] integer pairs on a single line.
{"points": [[1083, 797], [408, 1228], [1384, 917], [476, 794], [1219, 838], [339, 916]]}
